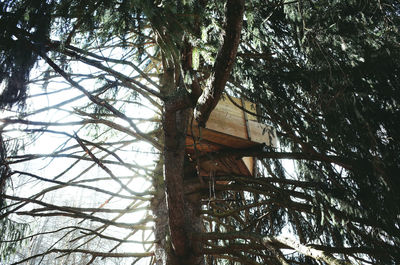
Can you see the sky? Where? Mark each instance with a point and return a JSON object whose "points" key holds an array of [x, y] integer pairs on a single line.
{"points": [[137, 154]]}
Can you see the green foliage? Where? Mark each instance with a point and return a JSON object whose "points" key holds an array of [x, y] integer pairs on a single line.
{"points": [[11, 232], [24, 28], [327, 76], [11, 235], [324, 73]]}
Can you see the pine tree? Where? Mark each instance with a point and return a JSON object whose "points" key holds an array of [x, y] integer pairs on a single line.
{"points": [[324, 74]]}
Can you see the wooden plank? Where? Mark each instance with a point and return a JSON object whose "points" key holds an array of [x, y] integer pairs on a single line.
{"points": [[227, 165], [220, 128], [228, 119], [246, 121], [203, 146], [222, 139], [261, 133], [250, 107], [248, 161], [226, 105], [227, 123], [227, 128]]}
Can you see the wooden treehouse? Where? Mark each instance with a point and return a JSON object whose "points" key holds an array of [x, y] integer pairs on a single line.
{"points": [[229, 126]]}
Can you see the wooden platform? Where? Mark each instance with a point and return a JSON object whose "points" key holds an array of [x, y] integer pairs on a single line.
{"points": [[229, 126]]}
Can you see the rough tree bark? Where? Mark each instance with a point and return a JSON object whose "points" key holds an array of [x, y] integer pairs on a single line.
{"points": [[223, 63], [183, 217]]}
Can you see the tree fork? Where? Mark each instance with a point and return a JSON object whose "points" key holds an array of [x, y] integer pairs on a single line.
{"points": [[175, 120], [223, 63]]}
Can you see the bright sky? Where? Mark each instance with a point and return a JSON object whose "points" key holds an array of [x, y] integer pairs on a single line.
{"points": [[140, 153]]}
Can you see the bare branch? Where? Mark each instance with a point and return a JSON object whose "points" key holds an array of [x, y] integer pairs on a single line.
{"points": [[89, 252], [100, 102], [303, 249]]}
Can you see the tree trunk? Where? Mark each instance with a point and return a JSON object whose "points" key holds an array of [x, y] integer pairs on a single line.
{"points": [[183, 216]]}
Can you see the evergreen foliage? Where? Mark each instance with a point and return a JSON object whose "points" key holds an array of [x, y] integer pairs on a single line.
{"points": [[11, 233], [23, 24], [325, 74], [328, 78]]}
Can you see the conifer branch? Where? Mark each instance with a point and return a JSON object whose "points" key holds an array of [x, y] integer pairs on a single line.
{"points": [[223, 63]]}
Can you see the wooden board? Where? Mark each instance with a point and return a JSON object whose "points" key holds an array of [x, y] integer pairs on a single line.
{"points": [[229, 127]]}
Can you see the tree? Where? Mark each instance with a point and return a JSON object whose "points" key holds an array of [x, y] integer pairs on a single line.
{"points": [[323, 74]]}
